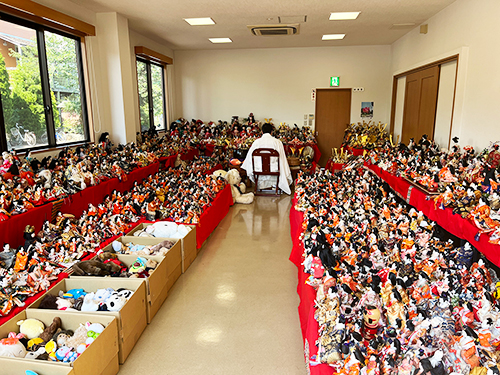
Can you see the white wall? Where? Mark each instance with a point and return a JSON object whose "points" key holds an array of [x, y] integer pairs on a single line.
{"points": [[399, 110], [277, 83], [473, 28], [444, 106]]}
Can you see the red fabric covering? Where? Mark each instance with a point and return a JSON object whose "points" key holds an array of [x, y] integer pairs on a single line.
{"points": [[334, 167], [213, 215], [216, 168], [317, 153], [454, 224], [355, 151], [210, 218], [30, 300], [79, 202], [190, 154], [137, 175], [209, 149], [309, 326], [12, 229], [168, 161]]}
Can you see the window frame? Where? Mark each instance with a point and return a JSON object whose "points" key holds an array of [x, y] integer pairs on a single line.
{"points": [[150, 92], [45, 86]]}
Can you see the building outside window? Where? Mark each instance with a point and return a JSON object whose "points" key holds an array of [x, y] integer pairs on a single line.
{"points": [[41, 87]]}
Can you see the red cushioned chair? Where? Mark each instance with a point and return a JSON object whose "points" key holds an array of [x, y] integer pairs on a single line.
{"points": [[266, 154]]}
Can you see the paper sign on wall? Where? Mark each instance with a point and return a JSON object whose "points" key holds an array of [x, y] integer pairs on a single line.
{"points": [[366, 109]]}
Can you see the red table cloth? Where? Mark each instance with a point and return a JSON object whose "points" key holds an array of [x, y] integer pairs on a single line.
{"points": [[79, 202], [12, 229], [309, 326], [454, 224], [213, 215]]}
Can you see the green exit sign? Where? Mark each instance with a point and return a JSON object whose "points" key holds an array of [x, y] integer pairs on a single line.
{"points": [[334, 81]]}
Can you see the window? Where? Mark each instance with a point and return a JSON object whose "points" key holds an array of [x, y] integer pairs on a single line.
{"points": [[151, 85], [41, 87]]}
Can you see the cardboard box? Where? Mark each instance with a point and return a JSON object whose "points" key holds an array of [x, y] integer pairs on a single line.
{"points": [[188, 243], [100, 358], [132, 318], [156, 283], [173, 256]]}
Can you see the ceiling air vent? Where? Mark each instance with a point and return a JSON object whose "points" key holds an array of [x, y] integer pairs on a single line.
{"points": [[271, 30]]}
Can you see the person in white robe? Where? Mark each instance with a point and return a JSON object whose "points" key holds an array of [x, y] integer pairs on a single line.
{"points": [[268, 141]]}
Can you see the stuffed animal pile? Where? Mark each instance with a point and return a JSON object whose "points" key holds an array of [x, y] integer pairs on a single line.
{"points": [[52, 343], [391, 297], [108, 264], [164, 229], [130, 248], [106, 299]]}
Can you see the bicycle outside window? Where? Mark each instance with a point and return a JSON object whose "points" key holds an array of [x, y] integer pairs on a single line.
{"points": [[42, 91]]}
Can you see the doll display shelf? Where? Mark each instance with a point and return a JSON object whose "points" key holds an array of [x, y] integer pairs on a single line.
{"points": [[452, 223], [420, 187], [131, 319], [100, 357]]}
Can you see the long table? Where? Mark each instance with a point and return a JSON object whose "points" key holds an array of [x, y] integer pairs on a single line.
{"points": [[455, 224], [307, 294]]}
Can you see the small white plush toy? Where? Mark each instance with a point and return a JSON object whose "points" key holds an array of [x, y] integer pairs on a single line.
{"points": [[238, 188]]}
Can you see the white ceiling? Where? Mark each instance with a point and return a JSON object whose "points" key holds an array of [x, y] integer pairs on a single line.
{"points": [[162, 20]]}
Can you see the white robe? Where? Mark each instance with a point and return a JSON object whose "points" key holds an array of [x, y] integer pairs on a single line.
{"points": [[268, 141]]}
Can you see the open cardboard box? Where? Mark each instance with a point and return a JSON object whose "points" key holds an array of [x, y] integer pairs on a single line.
{"points": [[188, 243], [173, 257], [100, 358], [131, 318], [156, 283]]}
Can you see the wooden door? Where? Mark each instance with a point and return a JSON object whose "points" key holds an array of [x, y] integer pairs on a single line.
{"points": [[421, 94], [333, 114]]}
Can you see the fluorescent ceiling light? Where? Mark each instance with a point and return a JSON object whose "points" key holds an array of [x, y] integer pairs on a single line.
{"points": [[220, 40], [200, 21], [339, 16], [333, 36]]}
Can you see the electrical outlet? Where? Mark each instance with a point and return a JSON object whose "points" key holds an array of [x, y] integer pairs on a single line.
{"points": [[358, 89], [305, 122]]}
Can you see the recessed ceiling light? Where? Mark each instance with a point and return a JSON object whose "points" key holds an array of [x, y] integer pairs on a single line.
{"points": [[220, 40], [333, 36], [339, 16], [200, 21]]}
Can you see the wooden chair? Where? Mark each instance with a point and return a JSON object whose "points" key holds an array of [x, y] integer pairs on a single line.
{"points": [[266, 154]]}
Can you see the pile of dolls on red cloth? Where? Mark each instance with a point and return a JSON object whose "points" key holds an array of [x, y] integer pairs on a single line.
{"points": [[391, 297], [465, 181], [28, 182], [178, 194]]}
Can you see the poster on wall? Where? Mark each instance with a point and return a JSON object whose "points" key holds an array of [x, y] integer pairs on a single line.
{"points": [[366, 109]]}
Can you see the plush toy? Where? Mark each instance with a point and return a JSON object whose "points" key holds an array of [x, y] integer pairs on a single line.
{"points": [[50, 330], [62, 336], [12, 346], [238, 188], [91, 267], [89, 303], [31, 328], [115, 302], [49, 301], [79, 337]]}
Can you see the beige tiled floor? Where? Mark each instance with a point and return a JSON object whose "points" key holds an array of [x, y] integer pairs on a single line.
{"points": [[235, 309]]}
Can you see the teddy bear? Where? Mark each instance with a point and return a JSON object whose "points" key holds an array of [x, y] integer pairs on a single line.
{"points": [[238, 188]]}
